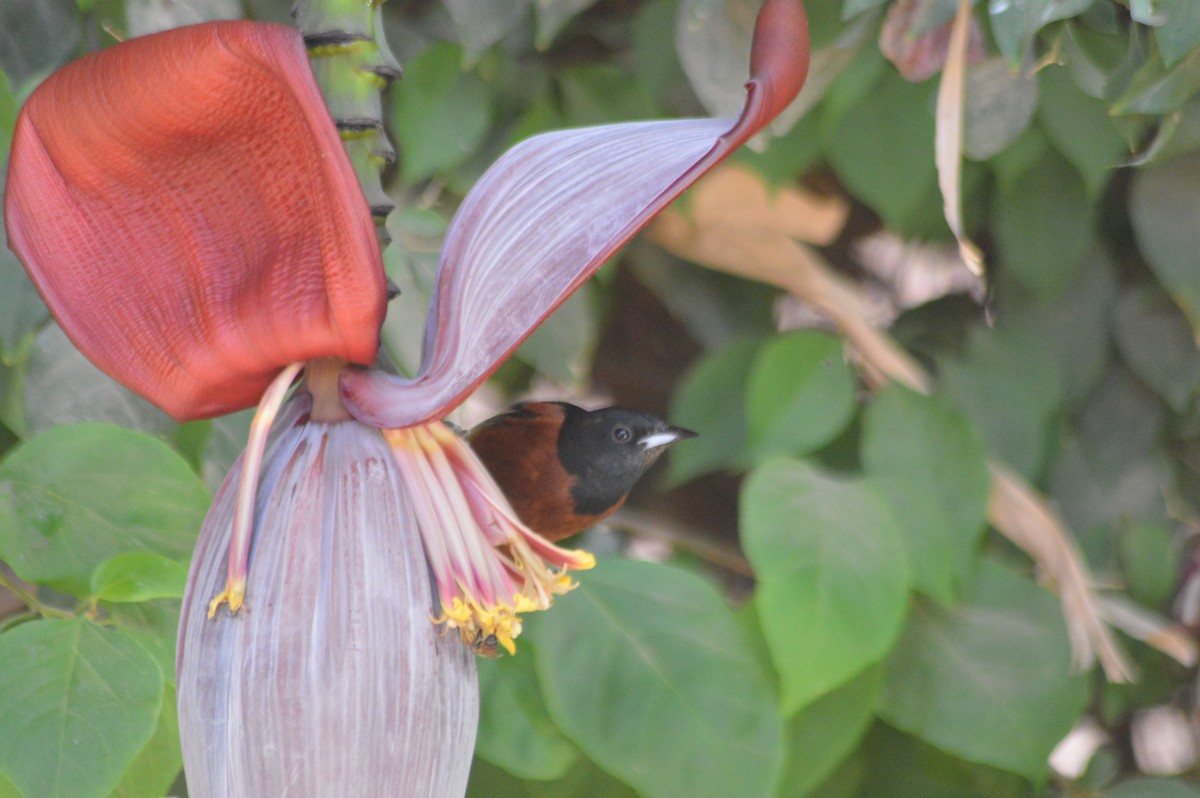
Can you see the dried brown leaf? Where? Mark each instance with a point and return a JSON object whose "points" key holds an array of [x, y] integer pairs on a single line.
{"points": [[736, 196], [917, 55], [948, 139]]}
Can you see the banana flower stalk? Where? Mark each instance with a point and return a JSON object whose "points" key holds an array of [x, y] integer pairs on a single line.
{"points": [[185, 207]]}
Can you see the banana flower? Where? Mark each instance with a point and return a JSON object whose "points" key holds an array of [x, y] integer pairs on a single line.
{"points": [[184, 205]]}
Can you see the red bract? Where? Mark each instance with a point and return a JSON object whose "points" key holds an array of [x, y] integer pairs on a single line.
{"points": [[185, 207]]}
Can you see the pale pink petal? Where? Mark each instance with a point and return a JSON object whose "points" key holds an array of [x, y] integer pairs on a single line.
{"points": [[550, 212], [331, 681]]}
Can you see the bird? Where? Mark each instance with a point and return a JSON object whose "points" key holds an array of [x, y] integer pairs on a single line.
{"points": [[563, 468]]}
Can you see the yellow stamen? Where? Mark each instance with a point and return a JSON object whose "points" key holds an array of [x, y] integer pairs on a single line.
{"points": [[243, 512], [490, 567], [234, 595]]}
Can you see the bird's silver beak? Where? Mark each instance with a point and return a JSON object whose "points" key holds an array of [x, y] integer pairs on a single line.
{"points": [[665, 436]]}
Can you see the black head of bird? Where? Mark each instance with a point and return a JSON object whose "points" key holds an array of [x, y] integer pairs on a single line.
{"points": [[564, 468]]}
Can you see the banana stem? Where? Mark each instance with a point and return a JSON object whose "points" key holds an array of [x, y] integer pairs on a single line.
{"points": [[353, 66]]}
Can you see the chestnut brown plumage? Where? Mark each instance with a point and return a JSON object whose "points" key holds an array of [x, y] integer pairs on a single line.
{"points": [[564, 468]]}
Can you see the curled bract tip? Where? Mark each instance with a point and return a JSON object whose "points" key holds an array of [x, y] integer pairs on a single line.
{"points": [[778, 65], [554, 208]]}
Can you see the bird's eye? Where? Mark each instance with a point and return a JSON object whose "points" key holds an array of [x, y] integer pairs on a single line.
{"points": [[622, 435]]}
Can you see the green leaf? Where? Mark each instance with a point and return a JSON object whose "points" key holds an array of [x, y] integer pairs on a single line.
{"points": [[21, 309], [1155, 90], [560, 346], [63, 387], [1145, 12], [1150, 562], [1080, 128], [799, 395], [479, 26], [12, 403], [553, 16], [832, 575], [78, 495], [853, 8], [413, 269], [1099, 60], [645, 669], [712, 42], [150, 16], [898, 765], [1090, 500], [1015, 23], [1146, 787], [1164, 204], [8, 116], [936, 480], [715, 308], [441, 112], [597, 95], [999, 107], [854, 78], [79, 703], [711, 398], [154, 624], [226, 442], [827, 731], [1073, 327], [1044, 225], [1156, 341], [1016, 159], [1177, 134], [1011, 389], [1121, 422], [584, 781], [933, 14], [1180, 29], [990, 681], [893, 174], [36, 36], [139, 576], [657, 66], [514, 731], [785, 158], [157, 766], [191, 439]]}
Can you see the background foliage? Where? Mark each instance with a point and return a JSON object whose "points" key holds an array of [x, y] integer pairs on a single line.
{"points": [[889, 643]]}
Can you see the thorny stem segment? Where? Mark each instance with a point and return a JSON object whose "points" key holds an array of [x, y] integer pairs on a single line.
{"points": [[489, 567], [234, 593], [353, 66]]}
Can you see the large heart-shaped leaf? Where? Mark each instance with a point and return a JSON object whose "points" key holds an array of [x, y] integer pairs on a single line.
{"points": [[65, 735], [933, 474], [832, 575], [990, 681], [78, 495], [673, 702]]}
